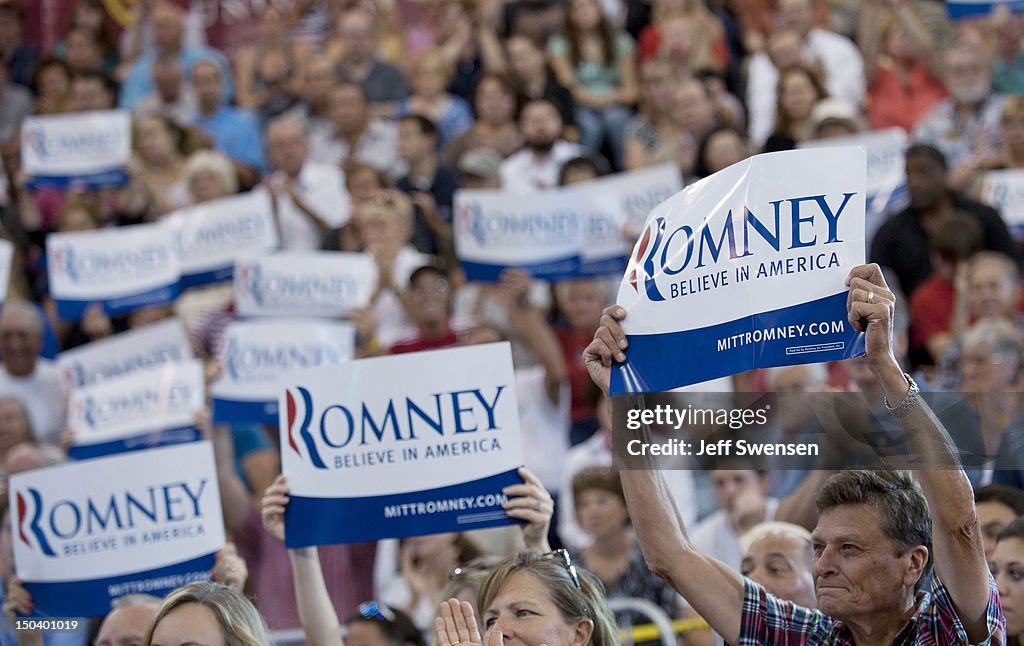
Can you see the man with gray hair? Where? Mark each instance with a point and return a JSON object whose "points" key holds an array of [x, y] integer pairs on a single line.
{"points": [[310, 197], [28, 377]]}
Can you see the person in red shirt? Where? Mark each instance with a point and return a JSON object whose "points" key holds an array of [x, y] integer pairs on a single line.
{"points": [[428, 305]]}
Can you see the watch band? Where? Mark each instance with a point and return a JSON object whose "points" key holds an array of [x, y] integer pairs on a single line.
{"points": [[909, 402]]}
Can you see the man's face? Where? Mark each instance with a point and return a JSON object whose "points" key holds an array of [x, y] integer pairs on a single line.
{"points": [[168, 26], [729, 484], [20, 343], [126, 626], [541, 125], [413, 145], [348, 109], [797, 15], [319, 80], [856, 569], [926, 181], [356, 31], [207, 84], [694, 111], [167, 78], [429, 296], [993, 290], [90, 94], [287, 147], [781, 562], [993, 517], [523, 57], [968, 76]]}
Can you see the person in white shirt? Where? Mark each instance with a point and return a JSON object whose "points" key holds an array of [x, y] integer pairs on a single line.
{"points": [[355, 135], [536, 166], [310, 198], [34, 381], [742, 500], [838, 57]]}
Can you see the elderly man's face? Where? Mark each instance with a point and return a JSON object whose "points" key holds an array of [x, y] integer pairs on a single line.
{"points": [[126, 626], [287, 147], [857, 572], [993, 290], [21, 339], [781, 563]]}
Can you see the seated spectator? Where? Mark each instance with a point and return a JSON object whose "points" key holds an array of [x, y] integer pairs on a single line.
{"points": [[537, 20], [479, 168], [318, 78], [15, 51], [741, 496], [15, 426], [902, 65], [901, 243], [1005, 565], [528, 70], [172, 96], [693, 115], [1008, 61], [383, 84], [84, 52], [429, 74], [161, 148], [430, 185], [207, 612], [964, 125], [969, 177], [597, 63], [614, 556], [92, 90], [650, 136], [720, 148], [494, 104], [209, 176], [998, 506], [705, 34], [168, 25], [269, 70], [234, 131], [310, 197], [357, 135], [779, 556], [92, 18], [537, 165], [938, 307], [834, 118], [799, 92], [51, 83], [35, 381], [429, 308]]}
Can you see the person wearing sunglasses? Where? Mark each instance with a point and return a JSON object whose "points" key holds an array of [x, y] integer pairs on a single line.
{"points": [[531, 599], [529, 502]]}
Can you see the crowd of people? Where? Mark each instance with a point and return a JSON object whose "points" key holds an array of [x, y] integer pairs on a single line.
{"points": [[362, 118]]}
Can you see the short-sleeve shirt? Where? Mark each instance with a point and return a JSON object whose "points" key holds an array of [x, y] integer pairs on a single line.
{"points": [[597, 77], [767, 619]]}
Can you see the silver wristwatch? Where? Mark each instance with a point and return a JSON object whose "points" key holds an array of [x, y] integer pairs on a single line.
{"points": [[909, 402]]}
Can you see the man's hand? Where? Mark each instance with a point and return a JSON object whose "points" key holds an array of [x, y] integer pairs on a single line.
{"points": [[609, 345]]}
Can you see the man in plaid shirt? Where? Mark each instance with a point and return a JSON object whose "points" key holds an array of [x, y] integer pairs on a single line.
{"points": [[875, 541]]}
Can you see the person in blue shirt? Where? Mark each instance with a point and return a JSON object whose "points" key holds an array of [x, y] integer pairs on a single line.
{"points": [[234, 131]]}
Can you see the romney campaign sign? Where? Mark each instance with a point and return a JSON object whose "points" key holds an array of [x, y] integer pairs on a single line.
{"points": [[257, 353], [397, 446], [126, 353], [88, 532], [965, 9], [207, 238], [83, 149], [148, 408], [122, 269], [304, 283], [746, 269]]}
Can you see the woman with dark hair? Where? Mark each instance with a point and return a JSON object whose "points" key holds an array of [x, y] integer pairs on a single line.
{"points": [[598, 65], [798, 91], [720, 148], [51, 83], [1007, 566], [159, 163], [90, 17], [496, 105]]}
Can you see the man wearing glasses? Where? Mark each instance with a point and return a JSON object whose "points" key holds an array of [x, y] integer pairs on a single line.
{"points": [[875, 542]]}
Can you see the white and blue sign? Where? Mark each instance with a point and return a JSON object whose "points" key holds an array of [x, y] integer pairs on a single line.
{"points": [[561, 233], [209, 237], [304, 283], [257, 353], [122, 269], [153, 407], [960, 9], [746, 269], [83, 149], [409, 445], [125, 354], [1004, 190], [887, 175], [88, 532]]}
